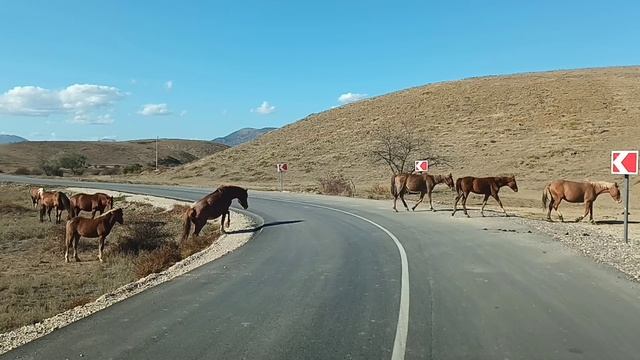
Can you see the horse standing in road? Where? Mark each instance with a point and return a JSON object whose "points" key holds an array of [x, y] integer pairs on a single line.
{"points": [[577, 192], [211, 207], [36, 193], [97, 202], [487, 186], [99, 227], [55, 200], [403, 184]]}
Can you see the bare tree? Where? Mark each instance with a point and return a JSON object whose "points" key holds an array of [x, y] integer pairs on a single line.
{"points": [[398, 146]]}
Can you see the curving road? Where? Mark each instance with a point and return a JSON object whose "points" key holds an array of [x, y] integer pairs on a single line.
{"points": [[324, 279]]}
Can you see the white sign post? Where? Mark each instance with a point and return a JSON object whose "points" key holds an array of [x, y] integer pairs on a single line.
{"points": [[422, 165], [625, 163], [281, 169]]}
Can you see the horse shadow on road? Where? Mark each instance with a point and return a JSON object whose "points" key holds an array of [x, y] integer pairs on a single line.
{"points": [[265, 225], [615, 222]]}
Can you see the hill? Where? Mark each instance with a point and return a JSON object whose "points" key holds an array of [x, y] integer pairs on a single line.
{"points": [[242, 136], [10, 139], [171, 152], [538, 126]]}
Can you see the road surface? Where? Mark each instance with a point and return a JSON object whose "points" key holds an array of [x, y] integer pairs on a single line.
{"points": [[324, 279]]}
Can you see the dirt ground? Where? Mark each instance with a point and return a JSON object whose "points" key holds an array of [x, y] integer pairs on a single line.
{"points": [[36, 283]]}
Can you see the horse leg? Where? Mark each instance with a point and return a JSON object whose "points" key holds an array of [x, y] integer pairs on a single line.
{"points": [[586, 211], [418, 203], [404, 202], [455, 204], [591, 212], [42, 211], [76, 238], [67, 241], [556, 205], [101, 247], [224, 215], [49, 212], [551, 206], [495, 196], [484, 203], [395, 199], [93, 213], [464, 203], [228, 219], [430, 201], [199, 224]]}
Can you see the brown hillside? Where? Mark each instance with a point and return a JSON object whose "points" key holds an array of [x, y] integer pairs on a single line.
{"points": [[29, 154], [538, 126]]}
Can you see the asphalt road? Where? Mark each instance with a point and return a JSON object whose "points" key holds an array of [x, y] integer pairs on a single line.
{"points": [[324, 279]]}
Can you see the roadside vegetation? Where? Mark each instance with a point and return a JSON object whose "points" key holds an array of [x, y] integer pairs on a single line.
{"points": [[36, 283]]}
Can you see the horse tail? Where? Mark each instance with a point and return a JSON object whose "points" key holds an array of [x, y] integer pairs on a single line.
{"points": [[66, 203], [394, 191], [186, 223], [459, 186], [545, 196]]}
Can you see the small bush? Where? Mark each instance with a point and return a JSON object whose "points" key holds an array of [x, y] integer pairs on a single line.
{"points": [[157, 260], [196, 244], [133, 169], [378, 192], [142, 236], [336, 184], [111, 171], [51, 168], [77, 163], [22, 171], [36, 171]]}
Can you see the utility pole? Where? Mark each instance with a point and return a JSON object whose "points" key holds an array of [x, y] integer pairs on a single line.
{"points": [[156, 153]]}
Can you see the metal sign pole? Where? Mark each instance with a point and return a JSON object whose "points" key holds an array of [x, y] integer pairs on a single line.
{"points": [[626, 208]]}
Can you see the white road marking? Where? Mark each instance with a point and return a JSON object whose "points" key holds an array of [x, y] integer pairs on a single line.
{"points": [[402, 329]]}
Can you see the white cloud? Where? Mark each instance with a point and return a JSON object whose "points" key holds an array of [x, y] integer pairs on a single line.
{"points": [[183, 113], [77, 98], [169, 85], [86, 119], [264, 109], [349, 97], [154, 109]]}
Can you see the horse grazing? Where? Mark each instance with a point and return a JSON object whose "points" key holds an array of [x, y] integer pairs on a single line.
{"points": [[55, 200], [577, 192], [403, 184], [99, 227], [91, 202], [488, 186], [211, 207], [36, 193]]}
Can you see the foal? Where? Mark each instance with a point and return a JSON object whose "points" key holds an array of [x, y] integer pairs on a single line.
{"points": [[99, 227]]}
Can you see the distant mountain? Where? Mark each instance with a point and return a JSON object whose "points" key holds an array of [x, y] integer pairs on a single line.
{"points": [[10, 139], [242, 136]]}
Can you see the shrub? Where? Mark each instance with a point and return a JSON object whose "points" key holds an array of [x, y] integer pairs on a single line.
{"points": [[142, 236], [197, 244], [157, 260], [133, 169], [36, 171], [336, 184], [77, 163], [22, 171], [111, 171], [51, 168], [378, 192]]}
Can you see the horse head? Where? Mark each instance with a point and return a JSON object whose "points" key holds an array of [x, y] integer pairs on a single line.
{"points": [[511, 182], [448, 179], [615, 192], [243, 198], [110, 202], [118, 216]]}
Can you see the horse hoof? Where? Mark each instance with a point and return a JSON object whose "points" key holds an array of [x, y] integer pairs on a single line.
{"points": [[468, 215]]}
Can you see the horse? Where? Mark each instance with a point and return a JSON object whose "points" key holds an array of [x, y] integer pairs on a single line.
{"points": [[402, 184], [36, 193], [211, 207], [99, 227], [91, 202], [57, 200], [487, 186], [577, 192]]}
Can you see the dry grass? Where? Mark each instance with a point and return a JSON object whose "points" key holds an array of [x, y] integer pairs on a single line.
{"points": [[27, 155], [35, 281], [336, 184]]}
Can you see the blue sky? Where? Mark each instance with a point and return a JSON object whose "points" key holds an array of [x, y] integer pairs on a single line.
{"points": [[84, 70]]}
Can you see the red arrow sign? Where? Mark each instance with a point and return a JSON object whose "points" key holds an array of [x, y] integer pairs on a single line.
{"points": [[284, 167], [422, 165], [624, 162]]}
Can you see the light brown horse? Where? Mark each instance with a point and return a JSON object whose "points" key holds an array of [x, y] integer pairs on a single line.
{"points": [[403, 184], [99, 227], [577, 192], [55, 200], [487, 186], [97, 202], [211, 207], [35, 196]]}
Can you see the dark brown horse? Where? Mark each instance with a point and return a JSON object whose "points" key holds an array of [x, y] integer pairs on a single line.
{"points": [[403, 184], [211, 207], [35, 196], [577, 192], [91, 228], [55, 200], [488, 186], [97, 202]]}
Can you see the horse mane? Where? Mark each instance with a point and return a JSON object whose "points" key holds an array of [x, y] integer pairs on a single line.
{"points": [[108, 212], [602, 184]]}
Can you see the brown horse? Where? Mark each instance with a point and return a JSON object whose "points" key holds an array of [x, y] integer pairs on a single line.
{"points": [[211, 207], [35, 196], [577, 192], [91, 202], [403, 184], [488, 186], [55, 200], [91, 228]]}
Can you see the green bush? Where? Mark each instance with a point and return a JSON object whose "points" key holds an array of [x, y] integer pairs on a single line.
{"points": [[51, 168], [22, 171], [133, 169], [77, 163]]}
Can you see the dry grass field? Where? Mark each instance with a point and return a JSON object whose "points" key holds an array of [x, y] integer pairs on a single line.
{"points": [[29, 154], [36, 283], [538, 126]]}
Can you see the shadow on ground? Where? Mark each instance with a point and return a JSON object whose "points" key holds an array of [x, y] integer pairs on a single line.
{"points": [[269, 224]]}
